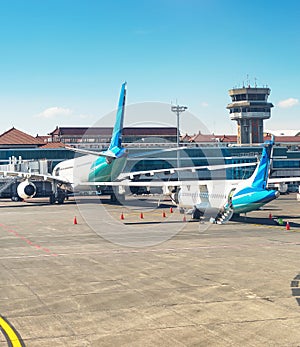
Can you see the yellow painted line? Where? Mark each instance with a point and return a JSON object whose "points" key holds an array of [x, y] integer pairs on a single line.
{"points": [[10, 333]]}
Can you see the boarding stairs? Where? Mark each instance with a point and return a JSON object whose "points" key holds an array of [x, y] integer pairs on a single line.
{"points": [[225, 215]]}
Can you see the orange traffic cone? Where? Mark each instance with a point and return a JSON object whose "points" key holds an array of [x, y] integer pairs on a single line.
{"points": [[75, 220], [270, 216], [142, 215], [164, 214], [184, 218], [122, 216], [287, 226], [171, 209]]}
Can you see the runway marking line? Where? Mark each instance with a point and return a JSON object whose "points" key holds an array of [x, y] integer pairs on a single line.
{"points": [[10, 333], [25, 239]]}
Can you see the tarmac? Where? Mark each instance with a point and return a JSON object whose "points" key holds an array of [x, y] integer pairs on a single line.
{"points": [[66, 284]]}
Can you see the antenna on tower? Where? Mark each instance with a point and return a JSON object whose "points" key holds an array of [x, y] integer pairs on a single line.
{"points": [[255, 79], [248, 82]]}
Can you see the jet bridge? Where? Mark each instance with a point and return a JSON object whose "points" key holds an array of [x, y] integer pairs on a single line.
{"points": [[9, 184]]}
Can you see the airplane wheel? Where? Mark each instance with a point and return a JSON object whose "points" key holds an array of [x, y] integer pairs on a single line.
{"points": [[113, 198], [235, 215], [52, 199], [196, 214], [16, 198], [60, 199], [121, 198]]}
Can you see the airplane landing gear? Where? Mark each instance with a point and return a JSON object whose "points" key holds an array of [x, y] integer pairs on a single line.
{"points": [[52, 199], [16, 198], [196, 214], [58, 196], [116, 198]]}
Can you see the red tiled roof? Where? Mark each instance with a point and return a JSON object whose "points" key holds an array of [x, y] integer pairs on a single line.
{"points": [[53, 145], [81, 131], [150, 131], [284, 139], [203, 138], [185, 138], [43, 138], [233, 138], [227, 138], [213, 138], [143, 131], [14, 136]]}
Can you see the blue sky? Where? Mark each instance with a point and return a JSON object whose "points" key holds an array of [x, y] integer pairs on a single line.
{"points": [[63, 61]]}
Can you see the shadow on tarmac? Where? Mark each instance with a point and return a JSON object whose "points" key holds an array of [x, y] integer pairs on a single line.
{"points": [[142, 203], [267, 221], [30, 203]]}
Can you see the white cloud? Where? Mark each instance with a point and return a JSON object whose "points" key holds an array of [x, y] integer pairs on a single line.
{"points": [[288, 103], [55, 112], [204, 104]]}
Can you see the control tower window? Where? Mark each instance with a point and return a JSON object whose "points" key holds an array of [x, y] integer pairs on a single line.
{"points": [[261, 97], [238, 97]]}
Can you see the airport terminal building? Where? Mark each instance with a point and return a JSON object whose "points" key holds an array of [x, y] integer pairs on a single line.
{"points": [[199, 149]]}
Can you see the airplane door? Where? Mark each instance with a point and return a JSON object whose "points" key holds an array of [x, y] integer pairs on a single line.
{"points": [[204, 197], [230, 195]]}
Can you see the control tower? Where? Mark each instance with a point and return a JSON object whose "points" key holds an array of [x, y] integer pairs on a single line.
{"points": [[249, 107]]}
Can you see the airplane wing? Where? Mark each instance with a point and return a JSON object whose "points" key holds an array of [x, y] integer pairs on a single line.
{"points": [[129, 183], [171, 171], [125, 179], [32, 175], [133, 155], [84, 151], [107, 153]]}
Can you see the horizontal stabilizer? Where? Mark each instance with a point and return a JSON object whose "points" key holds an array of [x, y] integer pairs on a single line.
{"points": [[283, 179], [85, 151]]}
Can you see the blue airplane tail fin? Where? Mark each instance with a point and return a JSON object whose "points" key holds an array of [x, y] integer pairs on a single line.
{"points": [[252, 193], [115, 149], [116, 139], [259, 178]]}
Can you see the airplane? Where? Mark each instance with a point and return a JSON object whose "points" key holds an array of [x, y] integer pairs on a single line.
{"points": [[220, 197], [105, 168]]}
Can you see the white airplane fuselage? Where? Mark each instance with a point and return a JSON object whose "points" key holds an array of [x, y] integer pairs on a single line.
{"points": [[75, 170], [199, 194]]}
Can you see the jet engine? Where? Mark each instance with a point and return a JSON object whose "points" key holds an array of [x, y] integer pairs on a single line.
{"points": [[26, 190]]}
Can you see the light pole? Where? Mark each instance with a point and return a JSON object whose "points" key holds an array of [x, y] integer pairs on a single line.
{"points": [[178, 109]]}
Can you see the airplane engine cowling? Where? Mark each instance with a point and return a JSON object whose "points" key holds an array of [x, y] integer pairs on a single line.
{"points": [[26, 190]]}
